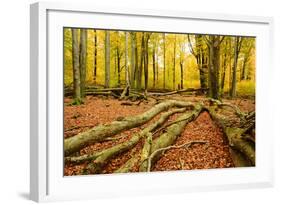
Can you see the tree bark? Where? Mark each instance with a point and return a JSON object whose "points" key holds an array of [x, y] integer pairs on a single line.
{"points": [[235, 139], [107, 59], [214, 65], [133, 59], [100, 158], [164, 61], [174, 63], [100, 132], [173, 131], [237, 47], [95, 57], [75, 66], [83, 60]]}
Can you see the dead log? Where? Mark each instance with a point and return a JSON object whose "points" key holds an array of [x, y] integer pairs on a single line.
{"points": [[173, 131], [175, 92], [100, 132], [101, 158], [235, 138], [126, 92], [165, 140]]}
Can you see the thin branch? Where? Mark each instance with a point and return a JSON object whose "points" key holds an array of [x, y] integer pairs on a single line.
{"points": [[190, 46], [206, 40], [186, 145]]}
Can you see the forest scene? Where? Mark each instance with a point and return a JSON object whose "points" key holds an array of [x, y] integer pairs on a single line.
{"points": [[137, 101]]}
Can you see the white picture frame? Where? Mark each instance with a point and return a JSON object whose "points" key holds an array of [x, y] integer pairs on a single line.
{"points": [[47, 182]]}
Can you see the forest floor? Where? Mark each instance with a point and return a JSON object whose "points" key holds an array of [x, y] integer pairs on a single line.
{"points": [[102, 110]]}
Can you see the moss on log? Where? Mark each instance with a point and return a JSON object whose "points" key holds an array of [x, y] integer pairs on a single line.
{"points": [[173, 131], [235, 138], [100, 158], [98, 133]]}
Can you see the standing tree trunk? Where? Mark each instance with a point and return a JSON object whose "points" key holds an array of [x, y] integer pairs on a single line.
{"points": [[95, 57], [181, 67], [214, 65], [140, 67], [237, 47], [107, 59], [133, 63], [146, 39], [245, 61], [75, 66], [200, 53], [164, 61], [224, 67], [83, 60], [126, 61], [174, 63], [154, 65]]}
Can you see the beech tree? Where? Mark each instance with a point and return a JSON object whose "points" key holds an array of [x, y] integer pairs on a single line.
{"points": [[107, 59], [237, 48], [75, 66], [83, 59]]}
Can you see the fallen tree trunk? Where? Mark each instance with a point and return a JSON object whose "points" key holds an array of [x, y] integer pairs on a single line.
{"points": [[176, 92], [75, 143], [125, 93], [173, 131], [101, 158], [235, 139], [165, 140]]}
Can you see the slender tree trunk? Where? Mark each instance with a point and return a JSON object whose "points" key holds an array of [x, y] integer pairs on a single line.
{"points": [[224, 67], [154, 65], [181, 67], [118, 66], [237, 46], [133, 58], [174, 63], [75, 66], [126, 61], [95, 56], [164, 61], [157, 67], [107, 59], [83, 60], [140, 68], [146, 61]]}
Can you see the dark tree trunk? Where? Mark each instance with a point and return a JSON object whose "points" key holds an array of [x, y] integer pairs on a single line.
{"points": [[224, 67], [214, 65], [95, 56], [154, 65], [75, 66], [174, 64], [146, 40], [164, 60], [200, 53], [133, 59], [83, 60], [107, 59], [181, 67], [237, 47], [140, 67]]}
